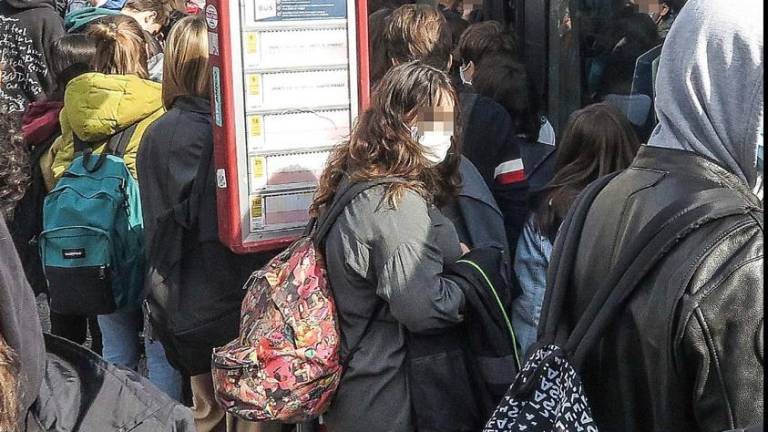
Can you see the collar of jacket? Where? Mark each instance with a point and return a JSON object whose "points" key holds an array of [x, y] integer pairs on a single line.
{"points": [[193, 103], [682, 161]]}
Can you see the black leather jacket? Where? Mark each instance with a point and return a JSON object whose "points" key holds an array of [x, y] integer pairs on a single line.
{"points": [[687, 353]]}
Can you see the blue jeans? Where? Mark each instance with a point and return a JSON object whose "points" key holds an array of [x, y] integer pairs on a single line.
{"points": [[120, 339]]}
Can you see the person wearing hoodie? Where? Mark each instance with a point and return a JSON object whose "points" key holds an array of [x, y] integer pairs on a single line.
{"points": [[43, 25], [687, 352], [21, 67], [98, 105]]}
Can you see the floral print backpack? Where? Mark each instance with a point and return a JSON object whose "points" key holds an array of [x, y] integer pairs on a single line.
{"points": [[285, 365]]}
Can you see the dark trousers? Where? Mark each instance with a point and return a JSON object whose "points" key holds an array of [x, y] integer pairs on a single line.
{"points": [[75, 328]]}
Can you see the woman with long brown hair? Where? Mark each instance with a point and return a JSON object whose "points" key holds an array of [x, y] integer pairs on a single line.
{"points": [[597, 141], [385, 253]]}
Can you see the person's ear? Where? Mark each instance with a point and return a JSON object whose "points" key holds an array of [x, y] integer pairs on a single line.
{"points": [[150, 18], [470, 71]]}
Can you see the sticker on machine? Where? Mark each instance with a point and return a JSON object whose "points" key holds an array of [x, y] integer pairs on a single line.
{"points": [[216, 83], [211, 17], [213, 43]]}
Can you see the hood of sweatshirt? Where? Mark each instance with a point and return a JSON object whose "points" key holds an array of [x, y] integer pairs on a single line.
{"points": [[27, 4], [19, 322], [709, 88], [41, 122]]}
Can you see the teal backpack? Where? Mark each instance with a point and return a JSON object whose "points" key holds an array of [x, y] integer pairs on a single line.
{"points": [[92, 244]]}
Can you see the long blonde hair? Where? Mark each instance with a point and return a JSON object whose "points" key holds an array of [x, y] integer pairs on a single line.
{"points": [[9, 398], [120, 46], [185, 66]]}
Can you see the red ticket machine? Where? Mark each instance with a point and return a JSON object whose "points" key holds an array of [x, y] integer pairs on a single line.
{"points": [[288, 79]]}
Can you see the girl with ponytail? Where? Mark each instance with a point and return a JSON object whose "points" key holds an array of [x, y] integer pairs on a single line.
{"points": [[98, 105]]}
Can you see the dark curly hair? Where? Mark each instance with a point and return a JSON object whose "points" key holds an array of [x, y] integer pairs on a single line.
{"points": [[14, 164]]}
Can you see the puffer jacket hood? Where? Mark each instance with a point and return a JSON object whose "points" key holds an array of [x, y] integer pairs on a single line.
{"points": [[709, 89], [97, 106]]}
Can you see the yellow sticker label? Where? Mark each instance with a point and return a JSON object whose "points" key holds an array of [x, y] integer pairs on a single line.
{"points": [[254, 85], [258, 166], [251, 43], [256, 207], [256, 122]]}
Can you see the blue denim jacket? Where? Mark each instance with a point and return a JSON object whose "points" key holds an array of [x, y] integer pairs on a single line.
{"points": [[531, 262]]}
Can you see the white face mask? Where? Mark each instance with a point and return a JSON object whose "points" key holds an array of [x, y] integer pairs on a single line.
{"points": [[462, 70], [436, 144]]}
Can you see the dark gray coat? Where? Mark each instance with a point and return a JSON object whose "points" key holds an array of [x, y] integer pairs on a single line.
{"points": [[376, 252]]}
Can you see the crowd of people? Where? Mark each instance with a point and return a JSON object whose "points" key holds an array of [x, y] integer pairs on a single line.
{"points": [[468, 177]]}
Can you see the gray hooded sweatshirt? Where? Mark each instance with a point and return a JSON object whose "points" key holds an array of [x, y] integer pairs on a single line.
{"points": [[709, 88]]}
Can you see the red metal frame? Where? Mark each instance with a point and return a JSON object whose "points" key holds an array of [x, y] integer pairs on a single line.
{"points": [[225, 156]]}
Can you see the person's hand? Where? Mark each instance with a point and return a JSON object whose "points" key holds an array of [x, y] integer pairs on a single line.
{"points": [[464, 248]]}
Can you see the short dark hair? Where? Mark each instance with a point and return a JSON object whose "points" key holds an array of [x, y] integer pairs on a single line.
{"points": [[161, 8], [506, 81], [71, 56], [418, 32], [485, 38]]}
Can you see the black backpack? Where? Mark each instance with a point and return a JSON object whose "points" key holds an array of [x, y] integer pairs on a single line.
{"points": [[548, 394], [188, 315]]}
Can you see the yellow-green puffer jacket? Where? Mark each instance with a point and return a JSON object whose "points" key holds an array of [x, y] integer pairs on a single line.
{"points": [[96, 106]]}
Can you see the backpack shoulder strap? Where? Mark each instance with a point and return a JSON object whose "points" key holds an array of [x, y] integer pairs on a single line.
{"points": [[340, 201], [118, 143], [653, 242]]}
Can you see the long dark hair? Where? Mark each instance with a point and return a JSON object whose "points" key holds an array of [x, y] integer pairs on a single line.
{"points": [[14, 164], [381, 144], [597, 141]]}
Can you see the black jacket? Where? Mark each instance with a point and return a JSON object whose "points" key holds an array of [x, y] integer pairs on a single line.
{"points": [[489, 140], [167, 163], [83, 392], [687, 354]]}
